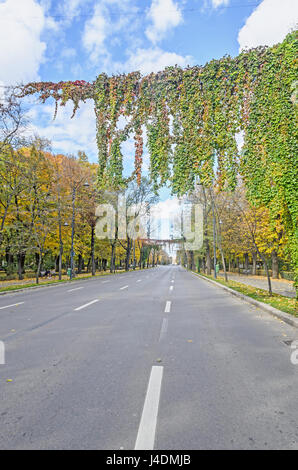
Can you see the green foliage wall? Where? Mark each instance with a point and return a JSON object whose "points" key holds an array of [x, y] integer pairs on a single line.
{"points": [[192, 117]]}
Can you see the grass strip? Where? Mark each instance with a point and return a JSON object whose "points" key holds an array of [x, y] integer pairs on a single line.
{"points": [[285, 304]]}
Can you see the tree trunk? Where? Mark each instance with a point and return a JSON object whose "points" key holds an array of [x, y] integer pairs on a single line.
{"points": [[127, 254], [191, 260], [268, 276], [254, 263], [266, 268], [148, 259], [112, 262], [223, 262], [275, 267], [21, 263], [39, 256], [187, 259], [246, 263], [140, 259], [208, 258], [9, 261], [238, 264], [80, 264], [224, 265], [184, 259]]}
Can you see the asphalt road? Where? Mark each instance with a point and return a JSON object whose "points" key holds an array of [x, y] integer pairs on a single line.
{"points": [[152, 358]]}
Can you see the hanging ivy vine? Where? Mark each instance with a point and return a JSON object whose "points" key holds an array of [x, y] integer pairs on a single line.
{"points": [[192, 117]]}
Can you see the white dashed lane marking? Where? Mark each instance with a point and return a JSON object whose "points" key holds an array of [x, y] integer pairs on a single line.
{"points": [[164, 328], [12, 305], [86, 305], [146, 433]]}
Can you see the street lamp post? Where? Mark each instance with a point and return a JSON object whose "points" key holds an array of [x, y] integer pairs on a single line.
{"points": [[61, 246]]}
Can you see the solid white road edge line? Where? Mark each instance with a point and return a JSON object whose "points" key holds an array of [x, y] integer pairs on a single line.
{"points": [[86, 305], [146, 433], [12, 305], [168, 306]]}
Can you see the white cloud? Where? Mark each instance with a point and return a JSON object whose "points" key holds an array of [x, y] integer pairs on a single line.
{"points": [[167, 208], [154, 60], [219, 3], [72, 7], [21, 49], [114, 21], [214, 4], [269, 23], [164, 15], [67, 135], [51, 24], [95, 33], [68, 53], [69, 9]]}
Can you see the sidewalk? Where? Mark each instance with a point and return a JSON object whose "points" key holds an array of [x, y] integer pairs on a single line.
{"points": [[279, 286]]}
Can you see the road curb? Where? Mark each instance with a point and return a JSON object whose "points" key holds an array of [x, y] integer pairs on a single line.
{"points": [[15, 291], [286, 317], [53, 284]]}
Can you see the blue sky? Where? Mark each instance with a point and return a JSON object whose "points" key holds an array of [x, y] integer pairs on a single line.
{"points": [[110, 36], [56, 40]]}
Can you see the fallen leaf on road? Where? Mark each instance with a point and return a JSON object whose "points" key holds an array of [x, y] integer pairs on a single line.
{"points": [[158, 360], [8, 380]]}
